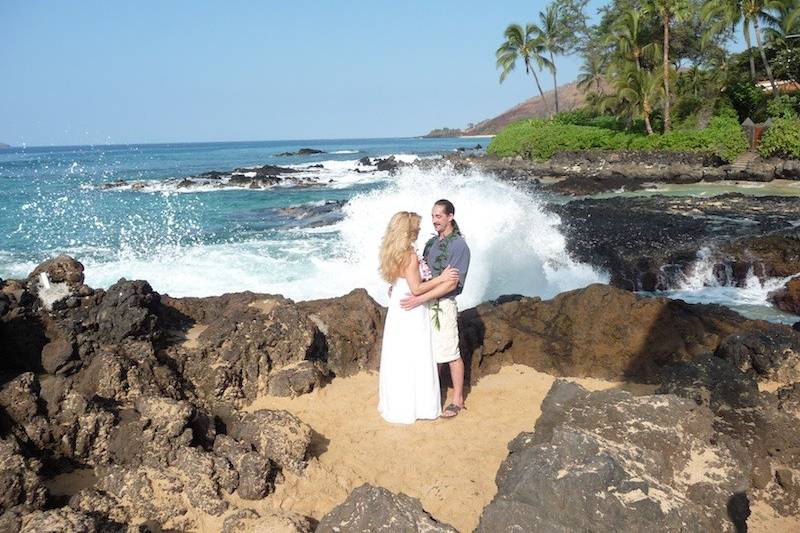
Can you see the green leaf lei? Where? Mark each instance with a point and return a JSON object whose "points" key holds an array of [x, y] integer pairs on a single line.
{"points": [[438, 266]]}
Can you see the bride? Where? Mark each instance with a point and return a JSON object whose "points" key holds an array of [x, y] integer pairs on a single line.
{"points": [[409, 380]]}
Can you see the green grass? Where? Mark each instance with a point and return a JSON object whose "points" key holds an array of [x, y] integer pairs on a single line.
{"points": [[540, 139]]}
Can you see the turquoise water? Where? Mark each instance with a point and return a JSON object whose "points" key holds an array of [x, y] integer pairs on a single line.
{"points": [[199, 242]]}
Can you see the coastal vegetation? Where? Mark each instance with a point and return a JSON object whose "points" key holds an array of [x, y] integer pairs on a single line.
{"points": [[659, 75]]}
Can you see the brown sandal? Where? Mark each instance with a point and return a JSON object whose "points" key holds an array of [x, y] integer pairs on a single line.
{"points": [[452, 408]]}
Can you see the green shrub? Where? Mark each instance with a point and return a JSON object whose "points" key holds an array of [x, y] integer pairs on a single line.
{"points": [[782, 139], [784, 106], [540, 139], [749, 101], [724, 108]]}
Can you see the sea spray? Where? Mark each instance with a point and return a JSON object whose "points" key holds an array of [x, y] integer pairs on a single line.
{"points": [[516, 246]]}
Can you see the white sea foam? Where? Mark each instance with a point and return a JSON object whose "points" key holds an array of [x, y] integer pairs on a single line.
{"points": [[344, 152], [516, 248], [702, 285]]}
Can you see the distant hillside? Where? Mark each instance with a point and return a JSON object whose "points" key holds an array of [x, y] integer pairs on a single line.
{"points": [[444, 132], [569, 98], [4, 146]]}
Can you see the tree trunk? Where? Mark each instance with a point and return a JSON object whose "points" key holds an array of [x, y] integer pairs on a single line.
{"points": [[636, 54], [647, 125], [538, 85], [555, 83], [667, 123], [746, 31], [775, 91]]}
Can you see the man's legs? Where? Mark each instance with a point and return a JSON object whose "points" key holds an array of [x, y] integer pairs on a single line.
{"points": [[457, 377]]}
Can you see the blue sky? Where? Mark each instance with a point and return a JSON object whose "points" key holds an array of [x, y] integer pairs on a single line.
{"points": [[123, 72]]}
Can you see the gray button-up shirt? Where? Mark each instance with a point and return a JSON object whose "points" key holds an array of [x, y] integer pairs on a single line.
{"points": [[457, 257]]}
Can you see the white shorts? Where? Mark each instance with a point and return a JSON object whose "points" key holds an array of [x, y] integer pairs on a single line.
{"points": [[445, 338]]}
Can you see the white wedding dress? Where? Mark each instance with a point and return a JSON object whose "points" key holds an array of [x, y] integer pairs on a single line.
{"points": [[409, 379]]}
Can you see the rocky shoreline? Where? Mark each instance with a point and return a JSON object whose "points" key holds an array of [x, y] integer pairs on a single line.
{"points": [[597, 171], [146, 395], [263, 177]]}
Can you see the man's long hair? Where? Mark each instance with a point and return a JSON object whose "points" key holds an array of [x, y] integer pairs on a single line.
{"points": [[449, 209]]}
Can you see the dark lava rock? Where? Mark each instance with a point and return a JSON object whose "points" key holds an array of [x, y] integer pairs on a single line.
{"points": [[751, 418], [633, 340], [770, 353], [632, 463], [365, 161], [21, 488], [298, 378], [254, 470], [654, 243], [351, 328], [128, 309], [588, 185], [278, 435], [370, 508], [302, 151], [389, 164], [56, 354], [56, 520]]}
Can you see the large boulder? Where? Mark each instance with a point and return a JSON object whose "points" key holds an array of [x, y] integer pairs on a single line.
{"points": [[351, 328], [598, 331], [21, 488], [611, 461], [240, 349], [128, 309], [370, 508], [278, 435]]}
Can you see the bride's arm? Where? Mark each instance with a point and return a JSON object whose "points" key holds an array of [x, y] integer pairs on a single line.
{"points": [[415, 282]]}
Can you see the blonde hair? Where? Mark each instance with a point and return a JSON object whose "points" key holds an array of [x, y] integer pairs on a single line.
{"points": [[402, 231]]}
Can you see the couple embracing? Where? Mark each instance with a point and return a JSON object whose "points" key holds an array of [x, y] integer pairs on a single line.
{"points": [[421, 331]]}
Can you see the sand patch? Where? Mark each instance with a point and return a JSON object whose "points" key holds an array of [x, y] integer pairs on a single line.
{"points": [[450, 465]]}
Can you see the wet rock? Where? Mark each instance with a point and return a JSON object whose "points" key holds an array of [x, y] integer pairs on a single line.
{"points": [[365, 161], [278, 435], [770, 353], [297, 378], [633, 463], [787, 298], [370, 508], [351, 328], [389, 164], [655, 243], [790, 170], [588, 185], [58, 520]]}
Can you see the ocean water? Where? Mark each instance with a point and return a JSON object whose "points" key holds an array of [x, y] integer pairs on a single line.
{"points": [[313, 242]]}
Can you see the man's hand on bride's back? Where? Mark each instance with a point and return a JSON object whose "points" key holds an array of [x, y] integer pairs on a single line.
{"points": [[410, 302]]}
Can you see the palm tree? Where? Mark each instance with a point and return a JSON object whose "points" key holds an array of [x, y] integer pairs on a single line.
{"points": [[782, 19], [721, 14], [753, 11], [551, 37], [628, 36], [591, 74], [640, 88], [520, 44], [669, 10]]}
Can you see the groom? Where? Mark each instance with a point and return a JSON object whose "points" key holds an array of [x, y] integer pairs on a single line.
{"points": [[448, 247]]}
